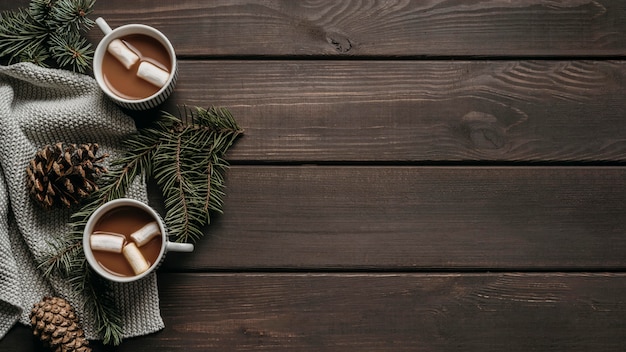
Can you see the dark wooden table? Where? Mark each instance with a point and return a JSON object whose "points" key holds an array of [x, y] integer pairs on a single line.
{"points": [[414, 176]]}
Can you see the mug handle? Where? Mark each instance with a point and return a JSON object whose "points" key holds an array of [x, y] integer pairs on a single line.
{"points": [[178, 247], [103, 25]]}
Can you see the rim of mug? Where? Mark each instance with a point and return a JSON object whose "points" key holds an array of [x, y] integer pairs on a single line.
{"points": [[115, 34], [95, 217]]}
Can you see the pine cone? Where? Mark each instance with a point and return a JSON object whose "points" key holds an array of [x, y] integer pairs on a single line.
{"points": [[62, 174], [54, 322]]}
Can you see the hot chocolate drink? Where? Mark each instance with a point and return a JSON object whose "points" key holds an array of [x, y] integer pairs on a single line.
{"points": [[137, 67], [125, 239]]}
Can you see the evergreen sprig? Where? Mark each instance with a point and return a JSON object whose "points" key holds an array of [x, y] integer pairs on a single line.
{"points": [[69, 15], [48, 31], [185, 156], [19, 33], [189, 166], [70, 50]]}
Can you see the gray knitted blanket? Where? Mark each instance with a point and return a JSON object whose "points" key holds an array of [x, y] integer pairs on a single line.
{"points": [[43, 106]]}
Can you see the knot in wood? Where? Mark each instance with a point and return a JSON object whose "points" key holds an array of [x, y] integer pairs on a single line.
{"points": [[340, 42], [484, 130]]}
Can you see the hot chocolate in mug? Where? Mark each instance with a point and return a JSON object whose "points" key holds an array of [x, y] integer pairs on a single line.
{"points": [[125, 240], [135, 65]]}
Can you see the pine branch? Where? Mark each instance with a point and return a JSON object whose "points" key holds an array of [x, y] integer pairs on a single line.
{"points": [[61, 258], [103, 303], [48, 29], [20, 33], [38, 55], [185, 158], [71, 16], [40, 9], [71, 50], [189, 168]]}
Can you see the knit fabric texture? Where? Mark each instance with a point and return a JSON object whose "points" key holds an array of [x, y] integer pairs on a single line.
{"points": [[40, 106]]}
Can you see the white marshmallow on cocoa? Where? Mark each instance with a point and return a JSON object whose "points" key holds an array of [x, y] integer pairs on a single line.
{"points": [[107, 242], [135, 258], [152, 74], [122, 53], [146, 233]]}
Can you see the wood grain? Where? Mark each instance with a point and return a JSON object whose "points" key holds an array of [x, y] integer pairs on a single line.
{"points": [[314, 312], [416, 111], [342, 233], [383, 312], [350, 28], [380, 28], [416, 218]]}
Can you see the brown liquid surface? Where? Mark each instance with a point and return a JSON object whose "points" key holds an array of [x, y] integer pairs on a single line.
{"points": [[125, 83], [126, 220]]}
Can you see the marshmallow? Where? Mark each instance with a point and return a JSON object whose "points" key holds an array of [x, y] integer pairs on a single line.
{"points": [[121, 52], [146, 233], [135, 258], [152, 74], [107, 242]]}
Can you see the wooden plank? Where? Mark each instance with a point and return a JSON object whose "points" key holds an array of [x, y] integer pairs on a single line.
{"points": [[372, 312], [380, 28], [416, 218], [316, 111], [383, 312], [352, 28]]}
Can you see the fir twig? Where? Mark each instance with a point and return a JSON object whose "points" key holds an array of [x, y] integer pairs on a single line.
{"points": [[20, 33], [71, 50], [61, 260], [102, 301], [38, 56], [40, 9], [48, 29], [71, 15], [188, 169], [185, 158]]}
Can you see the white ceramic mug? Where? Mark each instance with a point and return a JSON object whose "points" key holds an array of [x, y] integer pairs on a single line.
{"points": [[151, 101], [166, 245]]}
